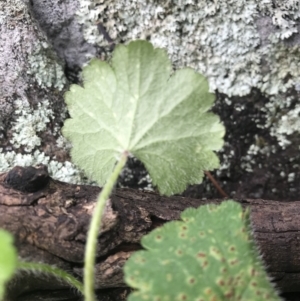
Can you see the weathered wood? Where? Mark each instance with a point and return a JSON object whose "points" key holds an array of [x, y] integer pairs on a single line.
{"points": [[50, 224]]}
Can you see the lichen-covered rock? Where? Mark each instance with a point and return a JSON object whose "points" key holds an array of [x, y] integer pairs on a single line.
{"points": [[32, 83], [238, 45], [248, 49], [225, 40]]}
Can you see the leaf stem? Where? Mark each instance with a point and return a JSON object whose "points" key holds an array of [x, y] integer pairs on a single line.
{"points": [[91, 244], [215, 183], [46, 269]]}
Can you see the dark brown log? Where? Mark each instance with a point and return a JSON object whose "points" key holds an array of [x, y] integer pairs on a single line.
{"points": [[50, 222]]}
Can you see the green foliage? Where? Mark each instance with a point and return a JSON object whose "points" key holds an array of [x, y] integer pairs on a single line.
{"points": [[8, 260], [209, 255], [134, 106], [9, 263]]}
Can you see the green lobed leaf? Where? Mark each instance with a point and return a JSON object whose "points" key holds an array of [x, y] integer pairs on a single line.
{"points": [[209, 255], [134, 105], [8, 260]]}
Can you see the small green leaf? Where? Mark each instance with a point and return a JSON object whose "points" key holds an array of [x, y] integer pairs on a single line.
{"points": [[134, 105], [8, 259], [209, 255]]}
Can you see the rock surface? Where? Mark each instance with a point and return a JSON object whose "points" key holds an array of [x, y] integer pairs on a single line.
{"points": [[249, 50]]}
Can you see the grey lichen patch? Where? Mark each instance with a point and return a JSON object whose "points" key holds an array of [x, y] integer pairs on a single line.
{"points": [[287, 125], [284, 16], [283, 69], [45, 69], [220, 39], [88, 13], [29, 123], [282, 113]]}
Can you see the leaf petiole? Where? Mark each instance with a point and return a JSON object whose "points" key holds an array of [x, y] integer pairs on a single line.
{"points": [[91, 245], [50, 270]]}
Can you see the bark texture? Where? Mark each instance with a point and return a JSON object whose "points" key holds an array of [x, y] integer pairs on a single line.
{"points": [[50, 219]]}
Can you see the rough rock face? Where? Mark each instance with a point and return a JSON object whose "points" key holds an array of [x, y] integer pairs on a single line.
{"points": [[249, 50], [32, 83], [58, 20]]}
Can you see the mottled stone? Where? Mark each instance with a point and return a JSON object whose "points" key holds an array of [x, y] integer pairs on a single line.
{"points": [[32, 84]]}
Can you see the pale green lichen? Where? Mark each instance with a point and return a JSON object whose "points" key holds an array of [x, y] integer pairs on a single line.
{"points": [[66, 171], [284, 15], [45, 69], [29, 123], [287, 125], [219, 38]]}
